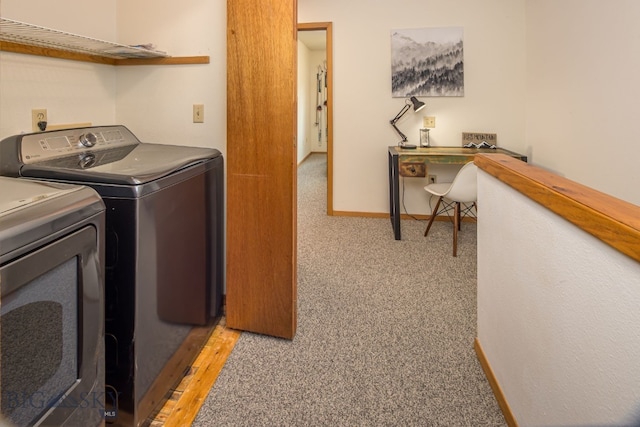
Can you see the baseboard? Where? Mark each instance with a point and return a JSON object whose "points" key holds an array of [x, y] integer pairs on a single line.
{"points": [[497, 390], [361, 214], [305, 158], [402, 216], [308, 155]]}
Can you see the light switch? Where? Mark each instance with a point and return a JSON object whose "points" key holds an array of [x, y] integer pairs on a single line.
{"points": [[198, 113]]}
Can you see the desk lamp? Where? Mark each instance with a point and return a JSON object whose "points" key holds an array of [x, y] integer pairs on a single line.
{"points": [[417, 106]]}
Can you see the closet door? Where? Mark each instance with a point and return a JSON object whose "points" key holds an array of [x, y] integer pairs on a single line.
{"points": [[261, 166]]}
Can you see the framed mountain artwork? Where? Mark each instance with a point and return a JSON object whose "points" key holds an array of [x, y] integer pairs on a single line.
{"points": [[427, 62]]}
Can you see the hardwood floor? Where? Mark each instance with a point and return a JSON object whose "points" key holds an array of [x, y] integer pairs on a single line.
{"points": [[185, 401]]}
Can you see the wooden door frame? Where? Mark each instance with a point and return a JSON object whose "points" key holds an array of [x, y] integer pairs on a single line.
{"points": [[327, 27]]}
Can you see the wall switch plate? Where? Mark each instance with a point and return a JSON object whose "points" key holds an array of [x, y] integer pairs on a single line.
{"points": [[198, 113], [38, 115], [428, 122]]}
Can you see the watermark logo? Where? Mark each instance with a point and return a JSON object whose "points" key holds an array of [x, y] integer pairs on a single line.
{"points": [[105, 402]]}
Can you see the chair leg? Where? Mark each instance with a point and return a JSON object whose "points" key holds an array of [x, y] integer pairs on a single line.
{"points": [[456, 225], [433, 216]]}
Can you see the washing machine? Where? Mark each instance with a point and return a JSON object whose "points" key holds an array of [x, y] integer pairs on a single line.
{"points": [[164, 249], [51, 304]]}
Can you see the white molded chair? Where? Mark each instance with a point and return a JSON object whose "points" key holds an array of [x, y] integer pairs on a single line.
{"points": [[460, 196]]}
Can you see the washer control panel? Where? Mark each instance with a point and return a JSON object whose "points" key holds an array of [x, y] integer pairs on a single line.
{"points": [[38, 147]]}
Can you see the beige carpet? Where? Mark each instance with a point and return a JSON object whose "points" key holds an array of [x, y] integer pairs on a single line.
{"points": [[385, 331]]}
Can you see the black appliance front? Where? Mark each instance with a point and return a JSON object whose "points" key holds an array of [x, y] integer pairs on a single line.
{"points": [[51, 306], [158, 276], [164, 250]]}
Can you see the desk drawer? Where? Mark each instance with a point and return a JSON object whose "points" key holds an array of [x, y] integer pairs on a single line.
{"points": [[412, 169]]}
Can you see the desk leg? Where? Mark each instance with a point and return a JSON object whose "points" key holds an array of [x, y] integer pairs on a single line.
{"points": [[394, 196]]}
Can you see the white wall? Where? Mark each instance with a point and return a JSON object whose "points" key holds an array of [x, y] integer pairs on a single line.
{"points": [[156, 102], [316, 144], [303, 102], [308, 62], [583, 91], [557, 315], [91, 18], [494, 32], [72, 92], [557, 309]]}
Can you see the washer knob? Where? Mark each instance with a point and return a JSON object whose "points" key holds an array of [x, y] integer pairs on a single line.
{"points": [[87, 161], [88, 139]]}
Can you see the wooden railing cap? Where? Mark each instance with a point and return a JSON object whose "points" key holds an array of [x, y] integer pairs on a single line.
{"points": [[612, 220]]}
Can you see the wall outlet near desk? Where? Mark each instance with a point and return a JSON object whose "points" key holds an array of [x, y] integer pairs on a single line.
{"points": [[429, 122], [432, 179]]}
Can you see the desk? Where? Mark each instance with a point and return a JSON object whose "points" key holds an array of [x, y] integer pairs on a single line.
{"points": [[413, 163]]}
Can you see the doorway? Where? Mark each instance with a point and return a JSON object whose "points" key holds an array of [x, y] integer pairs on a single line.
{"points": [[311, 35]]}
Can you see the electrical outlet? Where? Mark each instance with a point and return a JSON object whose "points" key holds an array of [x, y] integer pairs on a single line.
{"points": [[38, 116], [433, 179], [198, 113], [429, 122]]}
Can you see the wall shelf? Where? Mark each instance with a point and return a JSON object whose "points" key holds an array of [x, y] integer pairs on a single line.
{"points": [[19, 37]]}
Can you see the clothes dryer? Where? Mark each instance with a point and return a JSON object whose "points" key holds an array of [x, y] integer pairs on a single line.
{"points": [[51, 304]]}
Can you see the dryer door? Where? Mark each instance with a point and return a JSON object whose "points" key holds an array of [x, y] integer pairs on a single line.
{"points": [[51, 343]]}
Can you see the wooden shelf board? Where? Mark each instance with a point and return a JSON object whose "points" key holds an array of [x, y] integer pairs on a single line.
{"points": [[74, 56]]}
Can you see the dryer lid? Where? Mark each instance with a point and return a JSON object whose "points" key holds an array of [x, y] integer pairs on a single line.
{"points": [[18, 193]]}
